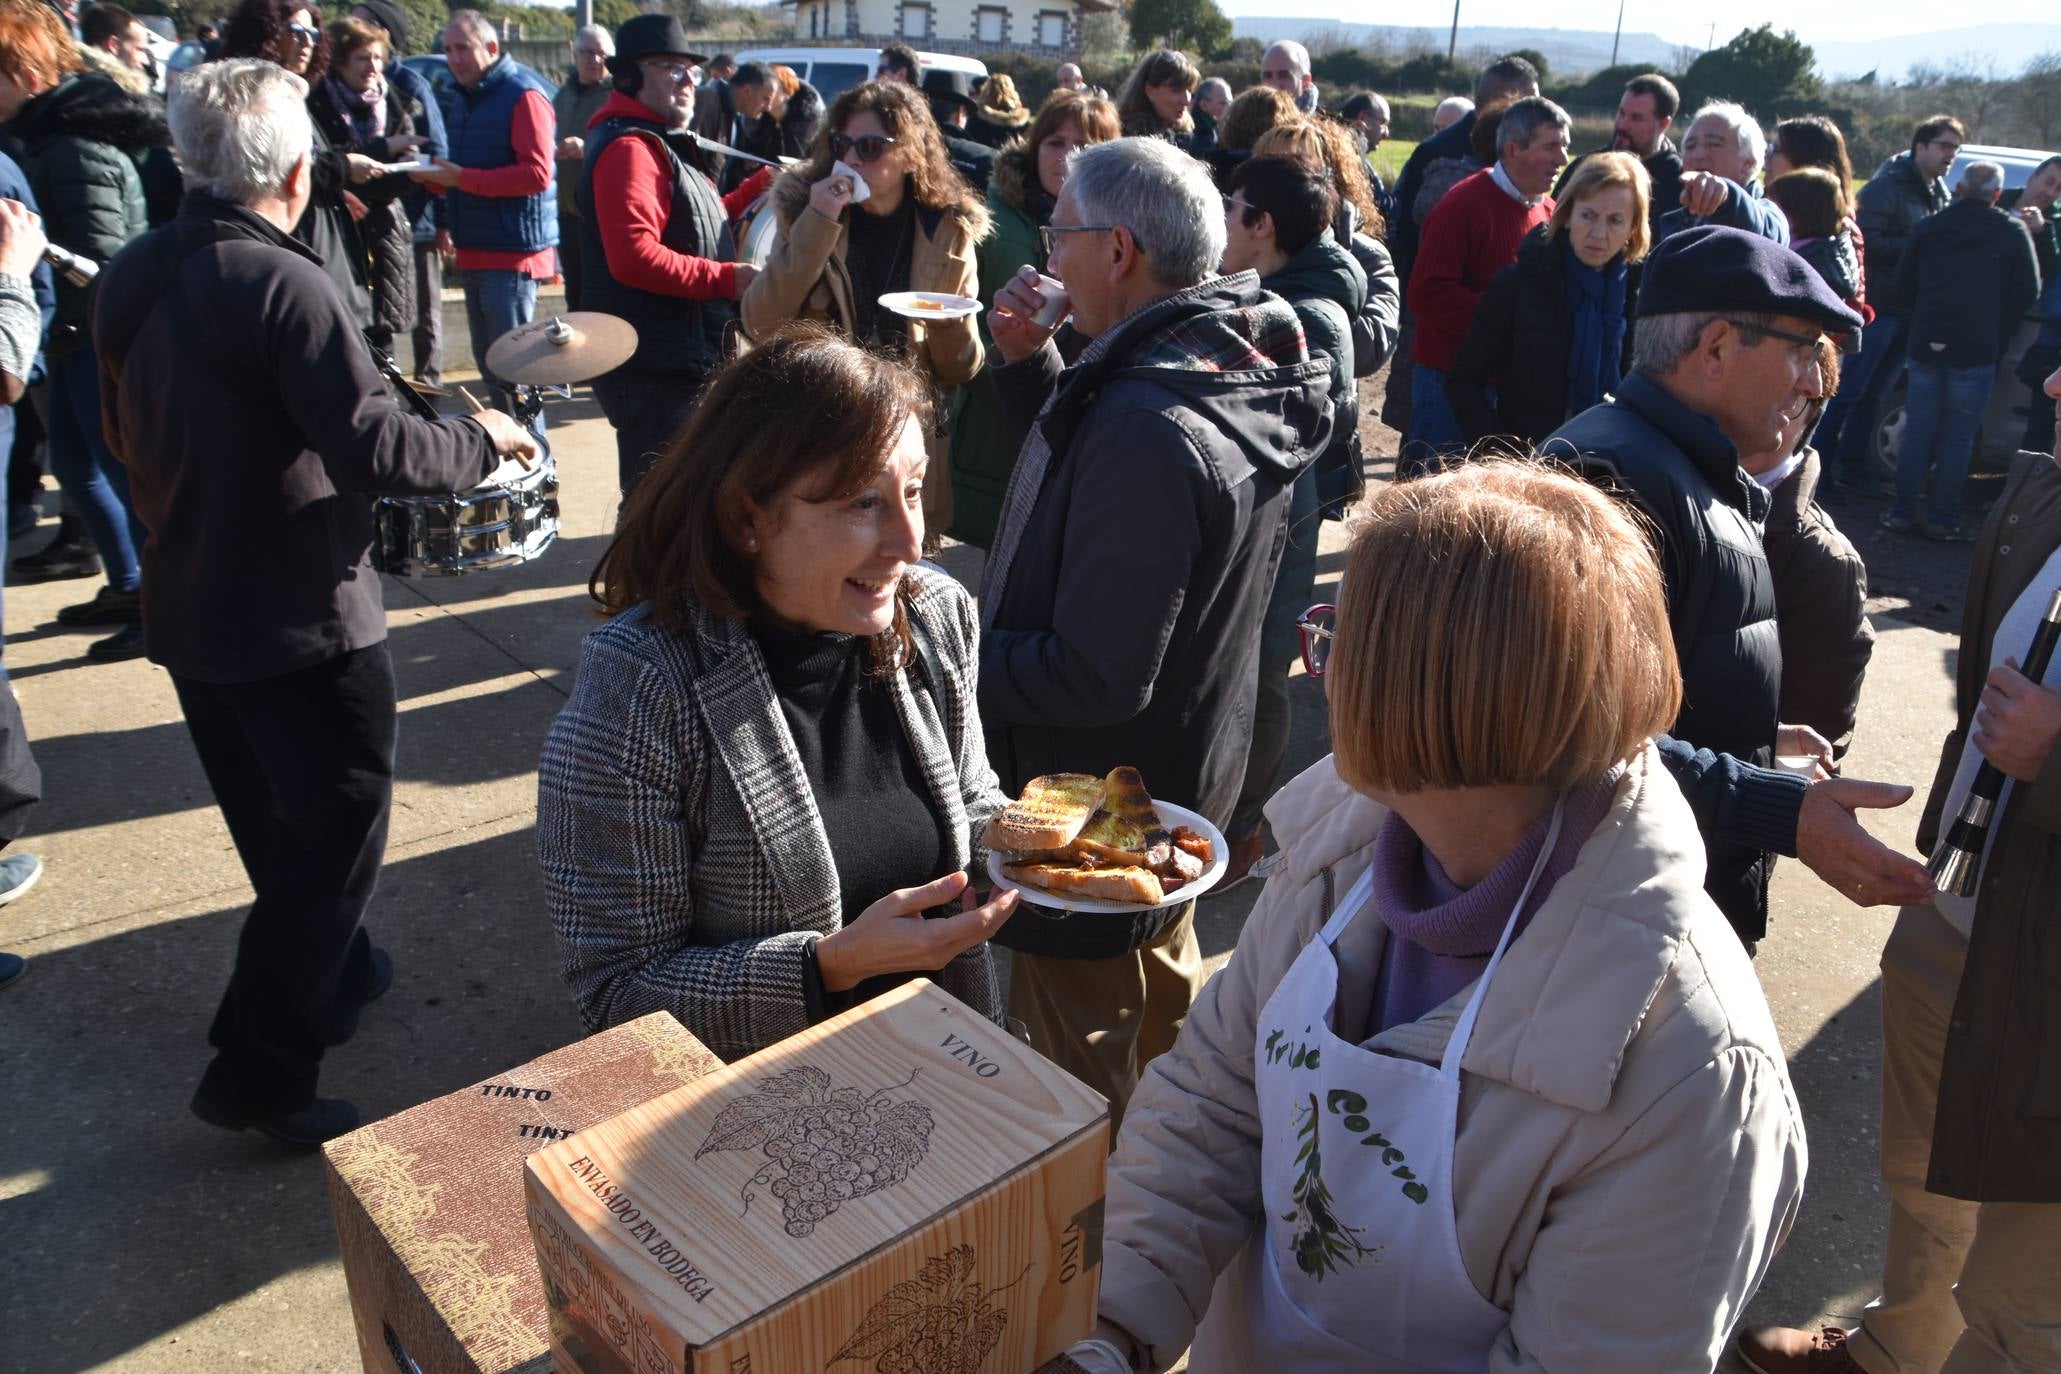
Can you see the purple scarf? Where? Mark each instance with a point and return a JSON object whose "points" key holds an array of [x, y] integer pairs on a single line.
{"points": [[366, 114]]}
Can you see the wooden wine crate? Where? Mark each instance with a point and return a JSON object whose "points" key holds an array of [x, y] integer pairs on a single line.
{"points": [[904, 1187], [429, 1211]]}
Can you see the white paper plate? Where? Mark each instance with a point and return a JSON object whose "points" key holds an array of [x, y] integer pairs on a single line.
{"points": [[1169, 816], [949, 307]]}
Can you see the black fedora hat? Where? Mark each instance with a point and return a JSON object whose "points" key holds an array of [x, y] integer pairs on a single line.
{"points": [[650, 35], [952, 87]]}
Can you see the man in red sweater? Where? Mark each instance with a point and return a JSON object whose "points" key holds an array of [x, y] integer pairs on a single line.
{"points": [[1472, 235], [655, 240]]}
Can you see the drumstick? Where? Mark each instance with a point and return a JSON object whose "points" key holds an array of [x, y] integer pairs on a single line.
{"points": [[473, 401]]}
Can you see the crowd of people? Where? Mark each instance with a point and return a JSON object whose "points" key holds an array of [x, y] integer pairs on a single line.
{"points": [[1496, 1001]]}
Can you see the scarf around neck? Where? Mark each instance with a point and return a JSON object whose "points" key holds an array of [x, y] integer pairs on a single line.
{"points": [[366, 113], [1595, 299]]}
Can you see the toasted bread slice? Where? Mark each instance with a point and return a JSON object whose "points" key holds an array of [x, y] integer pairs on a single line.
{"points": [[1125, 883], [1111, 841], [1125, 798], [1049, 814]]}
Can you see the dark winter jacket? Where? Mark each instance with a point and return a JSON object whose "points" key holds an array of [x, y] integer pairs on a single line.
{"points": [[1128, 629], [1518, 344], [1664, 168], [1380, 319], [973, 161], [261, 518], [801, 121], [993, 129], [83, 142], [1997, 1134], [1679, 468], [1890, 208], [328, 229], [1403, 230], [1838, 262], [1821, 596], [385, 237], [1968, 279], [574, 107], [1328, 289]]}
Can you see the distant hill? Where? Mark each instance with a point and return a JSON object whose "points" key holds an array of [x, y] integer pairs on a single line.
{"points": [[1574, 52], [1568, 52], [2008, 45]]}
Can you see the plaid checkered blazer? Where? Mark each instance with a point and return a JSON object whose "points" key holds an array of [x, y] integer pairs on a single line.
{"points": [[685, 863]]}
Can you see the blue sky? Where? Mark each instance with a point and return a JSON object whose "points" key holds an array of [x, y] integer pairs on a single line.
{"points": [[1885, 18]]}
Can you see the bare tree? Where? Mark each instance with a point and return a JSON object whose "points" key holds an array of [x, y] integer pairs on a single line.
{"points": [[2037, 95]]}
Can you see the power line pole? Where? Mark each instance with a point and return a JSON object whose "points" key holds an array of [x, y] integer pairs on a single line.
{"points": [[1453, 44], [583, 13], [1616, 38]]}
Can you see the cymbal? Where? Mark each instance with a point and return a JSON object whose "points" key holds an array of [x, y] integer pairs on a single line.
{"points": [[562, 349]]}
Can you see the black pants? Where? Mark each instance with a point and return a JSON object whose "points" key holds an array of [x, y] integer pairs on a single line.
{"points": [[647, 410], [569, 258], [303, 768]]}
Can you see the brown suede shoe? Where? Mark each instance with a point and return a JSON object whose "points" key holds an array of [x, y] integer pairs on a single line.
{"points": [[1786, 1350]]}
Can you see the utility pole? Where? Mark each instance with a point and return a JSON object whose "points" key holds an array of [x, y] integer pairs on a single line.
{"points": [[1616, 38], [1453, 44], [583, 13]]}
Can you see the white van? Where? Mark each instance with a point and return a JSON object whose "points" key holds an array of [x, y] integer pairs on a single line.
{"points": [[835, 70]]}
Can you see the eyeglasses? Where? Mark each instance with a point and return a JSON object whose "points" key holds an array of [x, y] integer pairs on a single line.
{"points": [[303, 32], [1048, 234], [1813, 342], [678, 71], [588, 52], [1318, 627], [869, 147]]}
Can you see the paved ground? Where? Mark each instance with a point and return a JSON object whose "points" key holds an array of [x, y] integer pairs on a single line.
{"points": [[138, 1239]]}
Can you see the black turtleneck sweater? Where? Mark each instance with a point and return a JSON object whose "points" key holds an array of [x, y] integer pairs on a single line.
{"points": [[884, 827]]}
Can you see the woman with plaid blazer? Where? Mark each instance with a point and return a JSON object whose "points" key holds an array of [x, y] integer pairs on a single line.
{"points": [[689, 862]]}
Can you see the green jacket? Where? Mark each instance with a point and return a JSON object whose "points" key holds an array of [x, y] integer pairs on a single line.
{"points": [[984, 441], [83, 141], [574, 105]]}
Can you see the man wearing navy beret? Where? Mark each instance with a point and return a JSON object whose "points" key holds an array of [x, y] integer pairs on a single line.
{"points": [[1724, 355]]}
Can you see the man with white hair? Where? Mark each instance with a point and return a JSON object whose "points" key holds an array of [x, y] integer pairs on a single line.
{"points": [[257, 433], [1721, 160], [1286, 67], [500, 185], [1138, 543], [1070, 78], [585, 91], [1450, 111]]}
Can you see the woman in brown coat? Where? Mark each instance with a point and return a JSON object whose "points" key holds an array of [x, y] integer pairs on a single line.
{"points": [[915, 230]]}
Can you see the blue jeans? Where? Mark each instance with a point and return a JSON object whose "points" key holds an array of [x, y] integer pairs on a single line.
{"points": [[496, 302], [1848, 429], [93, 479], [1434, 429], [1942, 410]]}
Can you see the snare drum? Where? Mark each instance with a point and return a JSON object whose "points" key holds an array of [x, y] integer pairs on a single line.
{"points": [[757, 228], [501, 522]]}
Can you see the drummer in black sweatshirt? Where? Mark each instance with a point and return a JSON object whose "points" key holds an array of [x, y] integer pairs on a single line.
{"points": [[258, 437]]}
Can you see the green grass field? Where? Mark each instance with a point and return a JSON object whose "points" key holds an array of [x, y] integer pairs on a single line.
{"points": [[1390, 157]]}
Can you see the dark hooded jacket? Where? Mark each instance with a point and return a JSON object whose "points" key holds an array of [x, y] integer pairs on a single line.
{"points": [[1821, 602], [385, 237], [1518, 344], [1380, 320], [1679, 468], [83, 144], [1890, 207], [1128, 628], [1968, 279], [801, 121]]}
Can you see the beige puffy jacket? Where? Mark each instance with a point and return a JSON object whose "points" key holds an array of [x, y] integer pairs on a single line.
{"points": [[1630, 1151]]}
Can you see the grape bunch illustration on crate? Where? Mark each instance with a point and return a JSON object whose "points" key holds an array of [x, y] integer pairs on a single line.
{"points": [[824, 1146]]}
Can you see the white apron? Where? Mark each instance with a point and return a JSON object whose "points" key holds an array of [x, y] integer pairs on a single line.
{"points": [[1359, 1265]]}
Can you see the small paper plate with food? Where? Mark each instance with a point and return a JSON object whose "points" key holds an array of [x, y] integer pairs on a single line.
{"points": [[930, 305], [1102, 867]]}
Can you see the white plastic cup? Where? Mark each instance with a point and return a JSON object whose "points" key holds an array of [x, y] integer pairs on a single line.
{"points": [[1057, 303], [1803, 765]]}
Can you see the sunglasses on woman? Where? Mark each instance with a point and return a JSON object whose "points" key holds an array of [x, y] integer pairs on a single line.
{"points": [[303, 32], [1318, 628], [869, 147]]}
